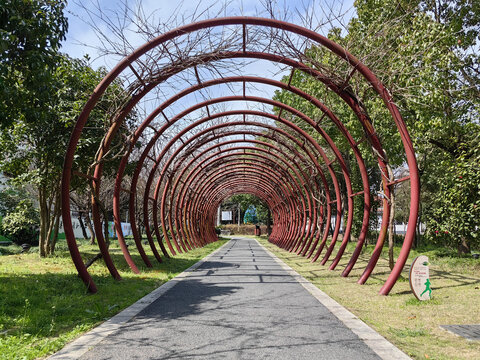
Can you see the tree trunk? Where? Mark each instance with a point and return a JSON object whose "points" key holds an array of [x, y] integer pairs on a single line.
{"points": [[82, 225], [463, 247], [42, 204], [418, 235], [106, 234], [269, 222], [55, 232], [90, 228], [48, 240], [417, 238], [52, 220]]}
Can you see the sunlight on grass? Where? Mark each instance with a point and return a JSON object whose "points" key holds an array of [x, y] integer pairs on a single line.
{"points": [[411, 325], [44, 305]]}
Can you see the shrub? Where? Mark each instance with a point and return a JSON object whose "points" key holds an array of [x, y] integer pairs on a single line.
{"points": [[21, 224]]}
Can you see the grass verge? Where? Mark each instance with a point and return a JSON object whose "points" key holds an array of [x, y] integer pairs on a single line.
{"points": [[411, 325], [44, 305]]}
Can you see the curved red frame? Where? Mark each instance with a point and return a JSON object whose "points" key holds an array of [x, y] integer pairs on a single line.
{"points": [[347, 97], [213, 156]]}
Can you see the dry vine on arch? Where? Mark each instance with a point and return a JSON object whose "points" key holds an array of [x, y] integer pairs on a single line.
{"points": [[212, 125]]}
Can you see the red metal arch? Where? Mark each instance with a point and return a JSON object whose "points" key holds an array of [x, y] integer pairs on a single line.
{"points": [[288, 202], [193, 138], [289, 199], [345, 95], [213, 101], [323, 109], [234, 186], [293, 182], [218, 154], [195, 172], [292, 149], [337, 123]]}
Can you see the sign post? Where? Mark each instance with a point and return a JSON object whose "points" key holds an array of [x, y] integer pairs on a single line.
{"points": [[420, 278]]}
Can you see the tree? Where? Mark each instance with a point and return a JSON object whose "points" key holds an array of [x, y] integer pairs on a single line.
{"points": [[30, 36], [426, 53], [247, 200], [454, 217], [33, 147], [433, 73], [51, 90]]}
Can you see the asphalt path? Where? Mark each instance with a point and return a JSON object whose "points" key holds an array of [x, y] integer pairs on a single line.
{"points": [[240, 304]]}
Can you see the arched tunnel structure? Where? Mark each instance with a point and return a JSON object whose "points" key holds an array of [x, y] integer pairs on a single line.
{"points": [[177, 166]]}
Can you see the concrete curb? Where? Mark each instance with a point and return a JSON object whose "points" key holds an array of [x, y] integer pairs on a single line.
{"points": [[381, 346], [87, 341]]}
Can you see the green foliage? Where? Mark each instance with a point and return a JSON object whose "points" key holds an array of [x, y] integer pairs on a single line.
{"points": [[30, 36], [455, 215], [245, 200], [433, 74], [42, 94], [9, 198], [11, 249], [20, 217], [21, 224], [422, 52], [33, 149]]}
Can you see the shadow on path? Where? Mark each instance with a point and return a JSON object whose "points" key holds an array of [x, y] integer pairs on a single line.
{"points": [[228, 308]]}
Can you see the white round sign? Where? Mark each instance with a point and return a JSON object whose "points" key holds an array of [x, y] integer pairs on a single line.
{"points": [[420, 278]]}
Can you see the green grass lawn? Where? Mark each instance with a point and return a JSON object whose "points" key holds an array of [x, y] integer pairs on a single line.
{"points": [[44, 304], [411, 325]]}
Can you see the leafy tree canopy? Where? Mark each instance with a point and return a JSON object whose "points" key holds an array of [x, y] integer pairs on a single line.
{"points": [[248, 200], [30, 36], [41, 95], [426, 53]]}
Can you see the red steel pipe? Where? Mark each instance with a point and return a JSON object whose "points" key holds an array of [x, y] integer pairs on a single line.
{"points": [[360, 68]]}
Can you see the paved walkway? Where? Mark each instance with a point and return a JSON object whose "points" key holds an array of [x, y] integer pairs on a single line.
{"points": [[239, 304]]}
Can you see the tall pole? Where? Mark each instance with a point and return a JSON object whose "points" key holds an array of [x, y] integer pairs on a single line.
{"points": [[269, 222], [239, 216], [219, 216]]}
